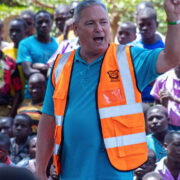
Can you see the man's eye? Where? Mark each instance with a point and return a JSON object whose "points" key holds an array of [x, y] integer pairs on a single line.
{"points": [[89, 23], [104, 22]]}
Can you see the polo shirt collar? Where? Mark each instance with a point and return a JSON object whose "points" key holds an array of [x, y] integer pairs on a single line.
{"points": [[78, 58]]}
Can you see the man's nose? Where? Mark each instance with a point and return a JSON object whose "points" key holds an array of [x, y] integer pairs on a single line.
{"points": [[98, 27], [19, 127], [154, 120], [44, 24], [144, 27], [123, 36]]}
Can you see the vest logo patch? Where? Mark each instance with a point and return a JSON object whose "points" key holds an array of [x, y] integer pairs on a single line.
{"points": [[114, 75]]}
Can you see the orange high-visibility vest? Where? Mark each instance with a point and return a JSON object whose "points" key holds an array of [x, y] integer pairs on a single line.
{"points": [[119, 105]]}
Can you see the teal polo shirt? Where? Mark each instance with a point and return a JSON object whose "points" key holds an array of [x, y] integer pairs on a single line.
{"points": [[83, 155]]}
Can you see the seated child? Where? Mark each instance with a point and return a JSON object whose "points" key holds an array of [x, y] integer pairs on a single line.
{"points": [[20, 142], [6, 126], [126, 32], [5, 149], [157, 119], [169, 166], [148, 166], [37, 88], [10, 80]]}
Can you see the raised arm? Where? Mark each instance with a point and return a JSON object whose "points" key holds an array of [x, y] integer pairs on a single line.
{"points": [[170, 56]]}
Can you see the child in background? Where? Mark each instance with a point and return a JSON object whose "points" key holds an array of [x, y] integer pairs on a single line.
{"points": [[9, 80], [5, 149], [6, 126], [148, 166], [20, 143], [166, 90], [126, 33], [28, 17], [147, 23], [157, 119], [37, 88], [169, 166], [32, 154]]}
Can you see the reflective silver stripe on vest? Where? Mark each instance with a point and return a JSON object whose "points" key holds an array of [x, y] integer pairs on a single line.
{"points": [[120, 110], [59, 120], [125, 140], [56, 149], [131, 106], [60, 65], [125, 75]]}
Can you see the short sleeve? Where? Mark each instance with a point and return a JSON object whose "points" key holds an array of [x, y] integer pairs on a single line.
{"points": [[145, 65], [23, 52], [48, 105], [158, 85]]}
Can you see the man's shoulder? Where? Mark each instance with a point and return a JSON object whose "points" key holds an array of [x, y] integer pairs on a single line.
{"points": [[28, 40]]}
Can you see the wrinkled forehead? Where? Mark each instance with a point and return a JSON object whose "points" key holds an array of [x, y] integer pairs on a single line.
{"points": [[93, 12]]}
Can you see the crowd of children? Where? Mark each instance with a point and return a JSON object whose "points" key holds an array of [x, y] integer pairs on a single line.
{"points": [[24, 68]]}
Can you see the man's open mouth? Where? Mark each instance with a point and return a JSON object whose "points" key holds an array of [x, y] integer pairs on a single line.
{"points": [[98, 39]]}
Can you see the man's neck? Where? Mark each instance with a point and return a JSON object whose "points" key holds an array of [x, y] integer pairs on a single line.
{"points": [[21, 141], [150, 41], [173, 166], [160, 136], [89, 57], [43, 39]]}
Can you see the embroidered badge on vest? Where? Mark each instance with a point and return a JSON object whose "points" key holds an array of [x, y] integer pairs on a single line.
{"points": [[114, 75]]}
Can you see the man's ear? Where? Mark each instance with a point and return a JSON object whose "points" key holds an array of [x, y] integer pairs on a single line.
{"points": [[75, 28], [165, 145]]}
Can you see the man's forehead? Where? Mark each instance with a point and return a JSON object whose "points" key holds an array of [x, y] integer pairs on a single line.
{"points": [[15, 24], [94, 12], [125, 27], [42, 15]]}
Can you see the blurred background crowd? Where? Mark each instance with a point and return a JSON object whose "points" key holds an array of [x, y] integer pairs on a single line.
{"points": [[25, 64]]}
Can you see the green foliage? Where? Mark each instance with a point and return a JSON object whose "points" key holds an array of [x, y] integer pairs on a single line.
{"points": [[124, 8]]}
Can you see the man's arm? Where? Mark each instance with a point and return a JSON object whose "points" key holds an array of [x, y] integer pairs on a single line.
{"points": [[28, 70], [45, 144], [170, 56]]}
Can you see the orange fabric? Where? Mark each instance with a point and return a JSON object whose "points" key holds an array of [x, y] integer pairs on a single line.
{"points": [[110, 93], [122, 125], [127, 155], [56, 162]]}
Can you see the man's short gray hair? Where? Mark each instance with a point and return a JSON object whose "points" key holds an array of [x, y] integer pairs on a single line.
{"points": [[84, 4]]}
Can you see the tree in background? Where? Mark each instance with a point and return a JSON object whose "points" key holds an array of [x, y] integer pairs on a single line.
{"points": [[119, 10]]}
